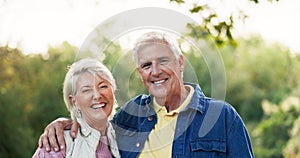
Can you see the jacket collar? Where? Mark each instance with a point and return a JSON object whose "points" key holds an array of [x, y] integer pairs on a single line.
{"points": [[199, 100], [86, 130]]}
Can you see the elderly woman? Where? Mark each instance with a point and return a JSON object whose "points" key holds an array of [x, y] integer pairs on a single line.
{"points": [[89, 96]]}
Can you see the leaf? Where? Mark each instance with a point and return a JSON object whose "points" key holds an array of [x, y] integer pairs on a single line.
{"points": [[178, 1], [256, 1], [196, 9]]}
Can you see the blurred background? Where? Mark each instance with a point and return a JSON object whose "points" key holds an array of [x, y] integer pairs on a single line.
{"points": [[258, 41]]}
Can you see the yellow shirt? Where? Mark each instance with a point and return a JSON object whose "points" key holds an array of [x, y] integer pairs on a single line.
{"points": [[160, 140]]}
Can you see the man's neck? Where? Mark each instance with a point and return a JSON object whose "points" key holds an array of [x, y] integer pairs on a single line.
{"points": [[172, 102]]}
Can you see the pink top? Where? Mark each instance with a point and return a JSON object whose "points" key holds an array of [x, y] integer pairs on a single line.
{"points": [[102, 149], [42, 153], [101, 152]]}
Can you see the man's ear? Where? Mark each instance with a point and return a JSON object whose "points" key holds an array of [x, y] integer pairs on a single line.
{"points": [[181, 62]]}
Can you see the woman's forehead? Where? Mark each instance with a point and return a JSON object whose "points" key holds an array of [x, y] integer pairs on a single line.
{"points": [[90, 78]]}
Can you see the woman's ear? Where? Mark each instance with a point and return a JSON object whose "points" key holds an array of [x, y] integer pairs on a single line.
{"points": [[72, 99]]}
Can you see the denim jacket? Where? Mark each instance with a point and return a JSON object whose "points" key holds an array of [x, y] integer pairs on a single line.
{"points": [[206, 128]]}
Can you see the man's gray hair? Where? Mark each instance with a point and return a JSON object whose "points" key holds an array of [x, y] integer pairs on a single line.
{"points": [[156, 38]]}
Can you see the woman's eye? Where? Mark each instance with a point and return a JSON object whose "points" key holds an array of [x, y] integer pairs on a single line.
{"points": [[86, 90]]}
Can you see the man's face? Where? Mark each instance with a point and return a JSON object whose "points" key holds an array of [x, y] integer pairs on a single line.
{"points": [[159, 70]]}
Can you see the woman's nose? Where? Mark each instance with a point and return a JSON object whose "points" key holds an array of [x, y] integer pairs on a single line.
{"points": [[96, 93]]}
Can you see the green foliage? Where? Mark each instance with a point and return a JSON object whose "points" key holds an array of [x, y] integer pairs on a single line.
{"points": [[177, 1], [211, 22], [14, 105], [264, 72], [292, 149], [31, 96], [272, 134]]}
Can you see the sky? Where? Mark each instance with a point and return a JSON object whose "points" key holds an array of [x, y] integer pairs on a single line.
{"points": [[33, 25]]}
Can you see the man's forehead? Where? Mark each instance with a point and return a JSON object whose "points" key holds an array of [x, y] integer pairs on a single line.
{"points": [[155, 49], [154, 55]]}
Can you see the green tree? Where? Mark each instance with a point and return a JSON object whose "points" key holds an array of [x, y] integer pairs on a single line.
{"points": [[257, 71], [16, 134], [272, 134], [292, 149], [214, 23]]}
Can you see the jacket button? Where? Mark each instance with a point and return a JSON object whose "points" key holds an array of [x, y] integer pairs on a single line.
{"points": [[137, 144], [150, 118]]}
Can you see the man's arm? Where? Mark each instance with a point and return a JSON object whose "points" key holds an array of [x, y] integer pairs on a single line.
{"points": [[239, 144], [53, 135]]}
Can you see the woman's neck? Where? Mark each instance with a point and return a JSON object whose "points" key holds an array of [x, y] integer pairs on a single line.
{"points": [[100, 126]]}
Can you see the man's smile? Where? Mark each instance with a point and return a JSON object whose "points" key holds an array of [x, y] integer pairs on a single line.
{"points": [[159, 81]]}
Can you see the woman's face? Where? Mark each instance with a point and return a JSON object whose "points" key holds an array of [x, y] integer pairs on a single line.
{"points": [[94, 98]]}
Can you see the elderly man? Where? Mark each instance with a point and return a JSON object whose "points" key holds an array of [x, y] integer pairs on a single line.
{"points": [[170, 121]]}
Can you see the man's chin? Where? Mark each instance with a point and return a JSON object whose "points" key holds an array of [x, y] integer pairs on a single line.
{"points": [[159, 93]]}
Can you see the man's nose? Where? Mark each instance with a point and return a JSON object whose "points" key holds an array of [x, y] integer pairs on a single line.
{"points": [[156, 69]]}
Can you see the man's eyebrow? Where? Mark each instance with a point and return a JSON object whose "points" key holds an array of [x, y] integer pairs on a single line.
{"points": [[144, 62], [163, 58]]}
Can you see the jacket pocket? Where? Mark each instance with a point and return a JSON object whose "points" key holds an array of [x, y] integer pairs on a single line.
{"points": [[208, 148], [208, 145]]}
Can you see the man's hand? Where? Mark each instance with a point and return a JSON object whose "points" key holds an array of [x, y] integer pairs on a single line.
{"points": [[53, 135]]}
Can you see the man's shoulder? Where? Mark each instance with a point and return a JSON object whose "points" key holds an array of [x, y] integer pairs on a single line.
{"points": [[140, 100], [223, 105], [135, 107], [223, 111]]}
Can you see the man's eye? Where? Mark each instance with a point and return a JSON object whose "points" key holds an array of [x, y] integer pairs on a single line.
{"points": [[146, 66]]}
